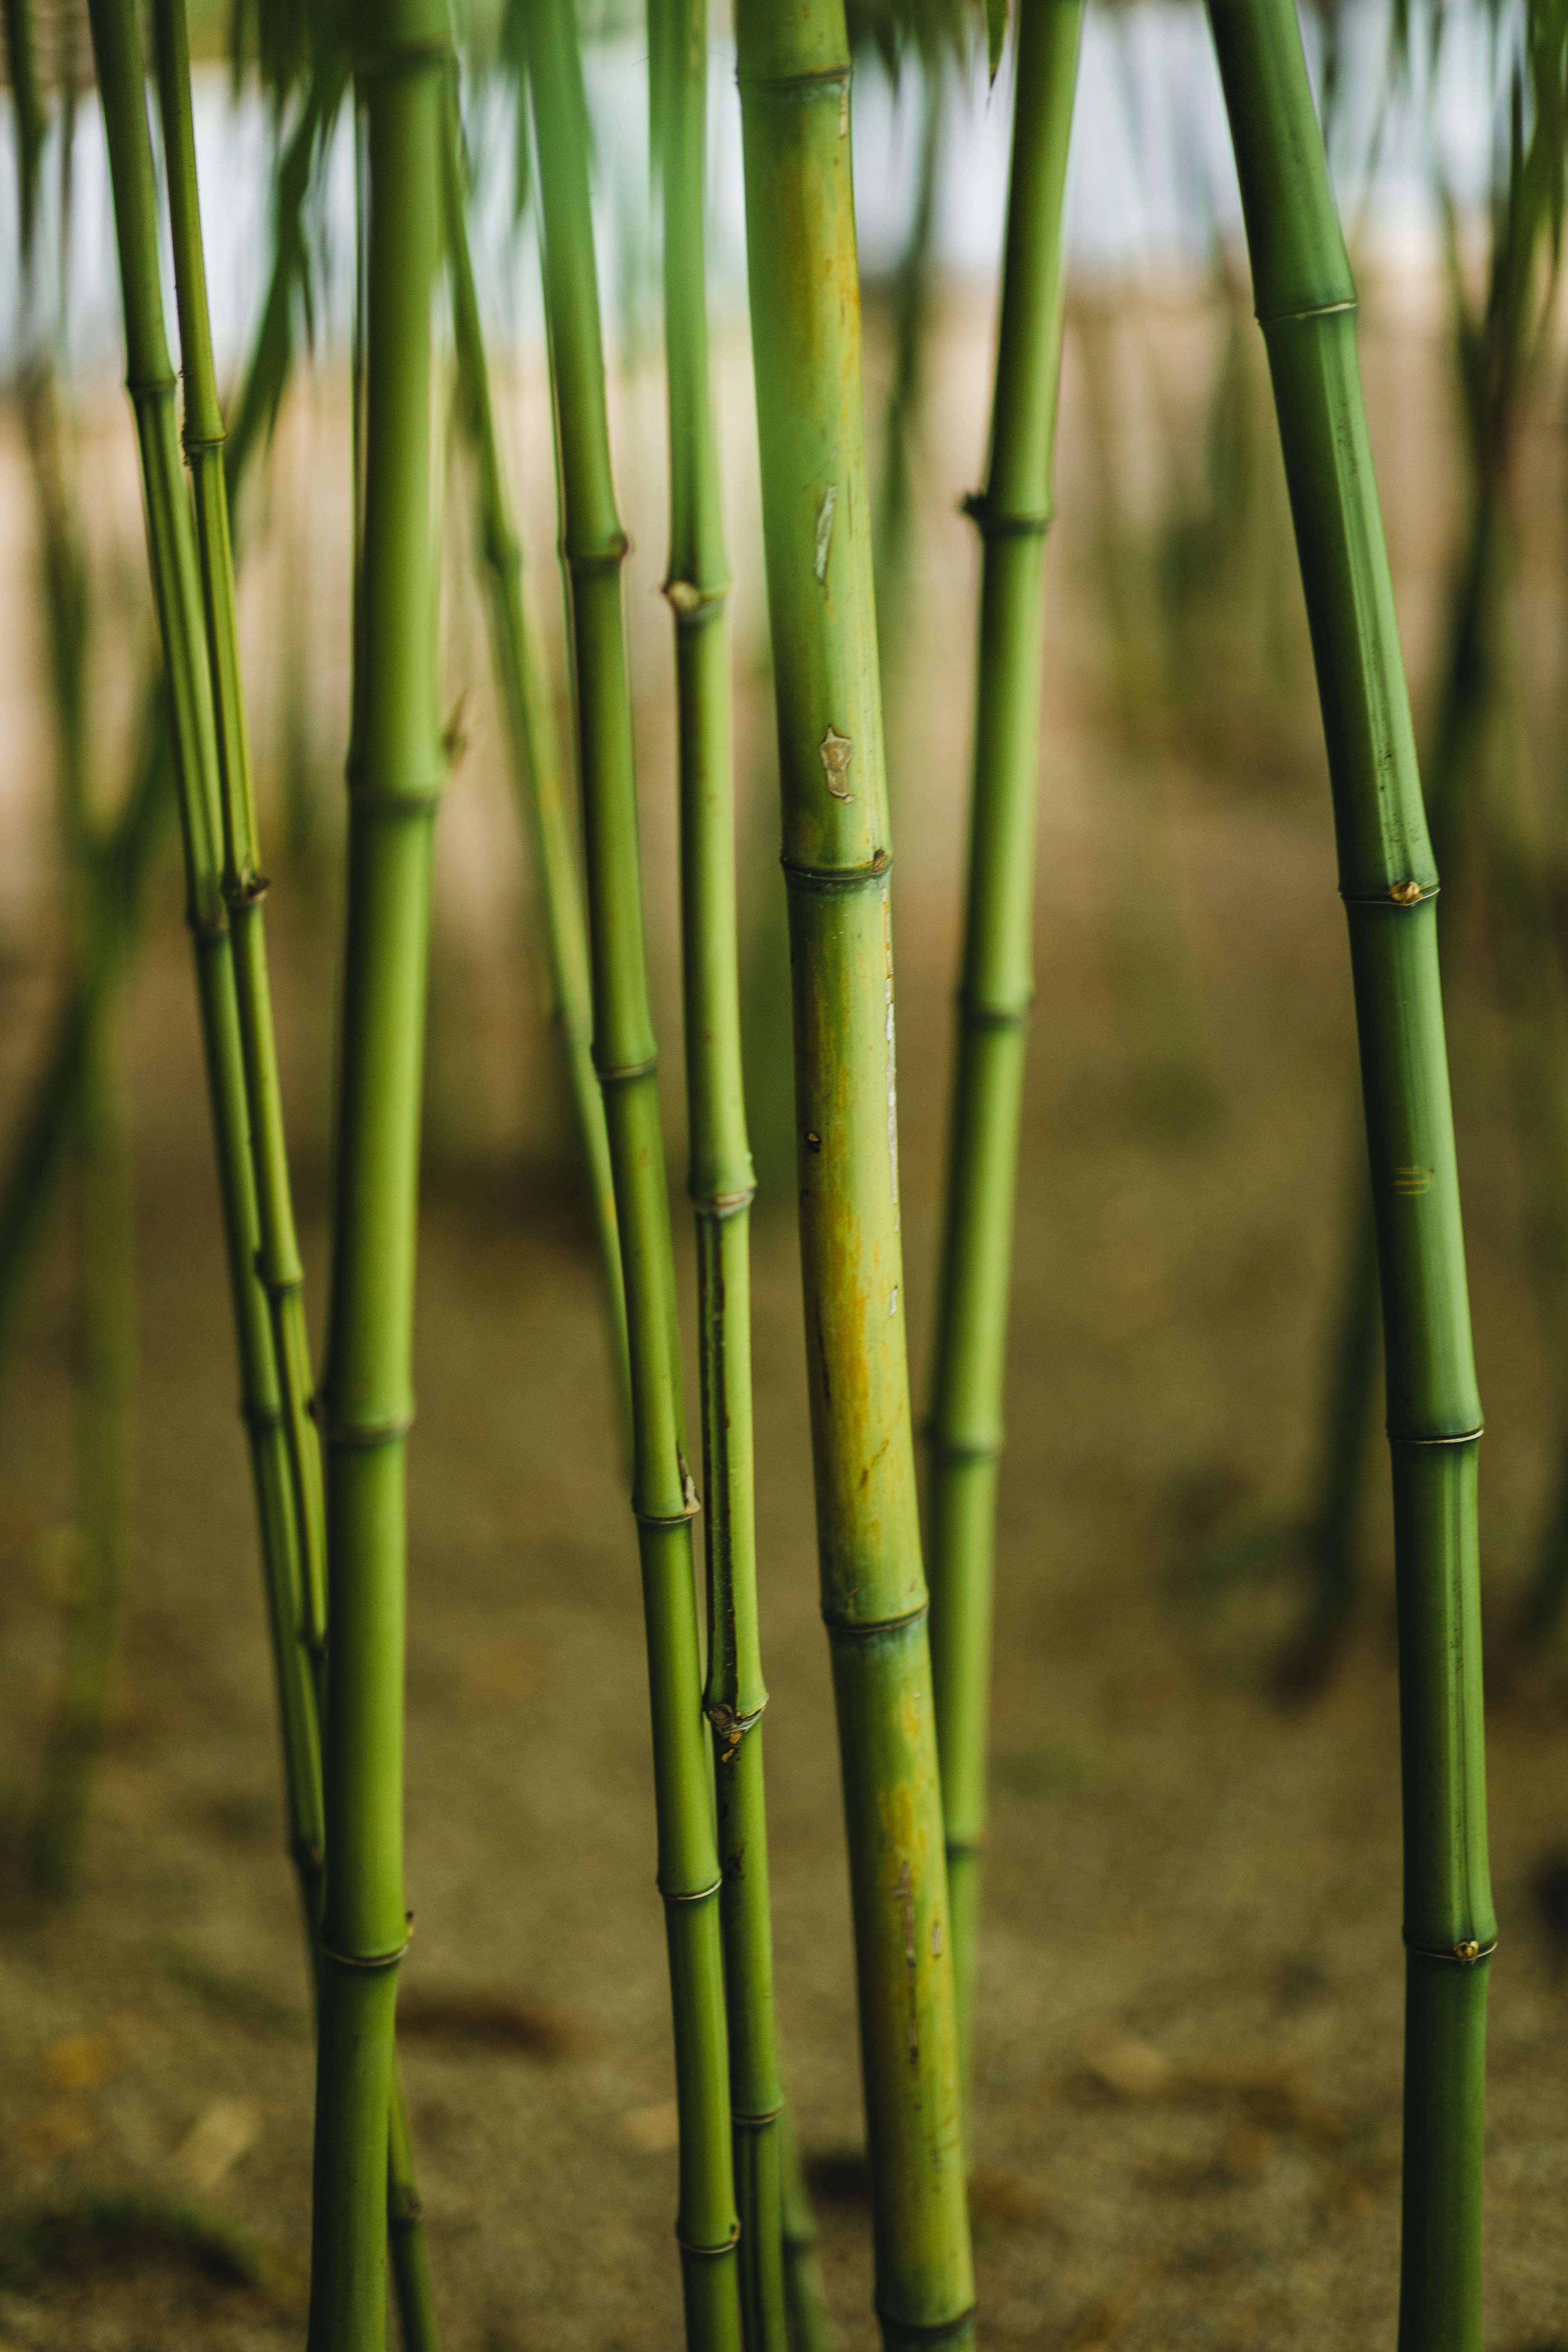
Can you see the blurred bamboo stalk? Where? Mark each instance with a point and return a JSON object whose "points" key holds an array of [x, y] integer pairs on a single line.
{"points": [[664, 1496], [1306, 301], [105, 1255], [538, 768], [997, 982], [795, 72]]}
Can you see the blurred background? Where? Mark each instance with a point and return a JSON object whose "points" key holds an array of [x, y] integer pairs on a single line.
{"points": [[1189, 2044]]}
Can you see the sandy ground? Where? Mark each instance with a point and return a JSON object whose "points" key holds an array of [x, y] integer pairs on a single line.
{"points": [[1189, 2052]]}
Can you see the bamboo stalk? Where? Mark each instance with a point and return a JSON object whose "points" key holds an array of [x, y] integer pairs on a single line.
{"points": [[997, 984], [806, 324], [722, 1180], [396, 774], [244, 884], [106, 1307], [43, 1131], [534, 748], [663, 1494], [1305, 298], [275, 1258], [173, 561]]}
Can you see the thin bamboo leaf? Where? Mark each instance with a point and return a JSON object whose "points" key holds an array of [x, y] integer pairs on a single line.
{"points": [[805, 326], [625, 1053], [997, 984], [1306, 301]]}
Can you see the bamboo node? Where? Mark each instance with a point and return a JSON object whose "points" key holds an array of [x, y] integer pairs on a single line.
{"points": [[1467, 1953], [195, 444], [696, 1894], [1308, 311], [248, 890], [1450, 1437], [624, 1074], [876, 1624], [387, 63], [958, 1450], [932, 2332], [720, 1205], [992, 522], [758, 2122], [589, 559], [975, 1014], [1398, 894], [732, 1728], [352, 1961], [668, 1519], [830, 878], [693, 606], [151, 388], [710, 2253], [261, 1416], [363, 1436]]}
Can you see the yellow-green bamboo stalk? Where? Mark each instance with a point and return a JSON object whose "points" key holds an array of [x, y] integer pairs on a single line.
{"points": [[997, 984], [805, 326], [1305, 298], [664, 1496]]}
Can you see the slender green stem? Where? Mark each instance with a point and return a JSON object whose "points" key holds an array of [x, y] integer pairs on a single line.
{"points": [[244, 884], [806, 328], [396, 773], [625, 1053], [997, 985], [807, 2311], [722, 1182], [277, 1258], [1305, 298], [534, 748]]}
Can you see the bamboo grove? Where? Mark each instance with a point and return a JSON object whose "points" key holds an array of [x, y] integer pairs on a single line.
{"points": [[907, 1594]]}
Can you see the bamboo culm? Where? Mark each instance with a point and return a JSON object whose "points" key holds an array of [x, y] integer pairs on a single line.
{"points": [[106, 1252], [997, 986], [722, 1182], [533, 750], [662, 1493], [805, 325], [276, 1258], [1305, 300], [396, 769]]}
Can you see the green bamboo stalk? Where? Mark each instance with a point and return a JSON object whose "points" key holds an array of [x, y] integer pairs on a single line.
{"points": [[721, 1179], [396, 773], [997, 984], [106, 1311], [807, 2312], [245, 885], [107, 1323], [31, 1181], [173, 562], [277, 1259], [625, 1053], [1305, 298], [533, 749], [795, 77]]}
